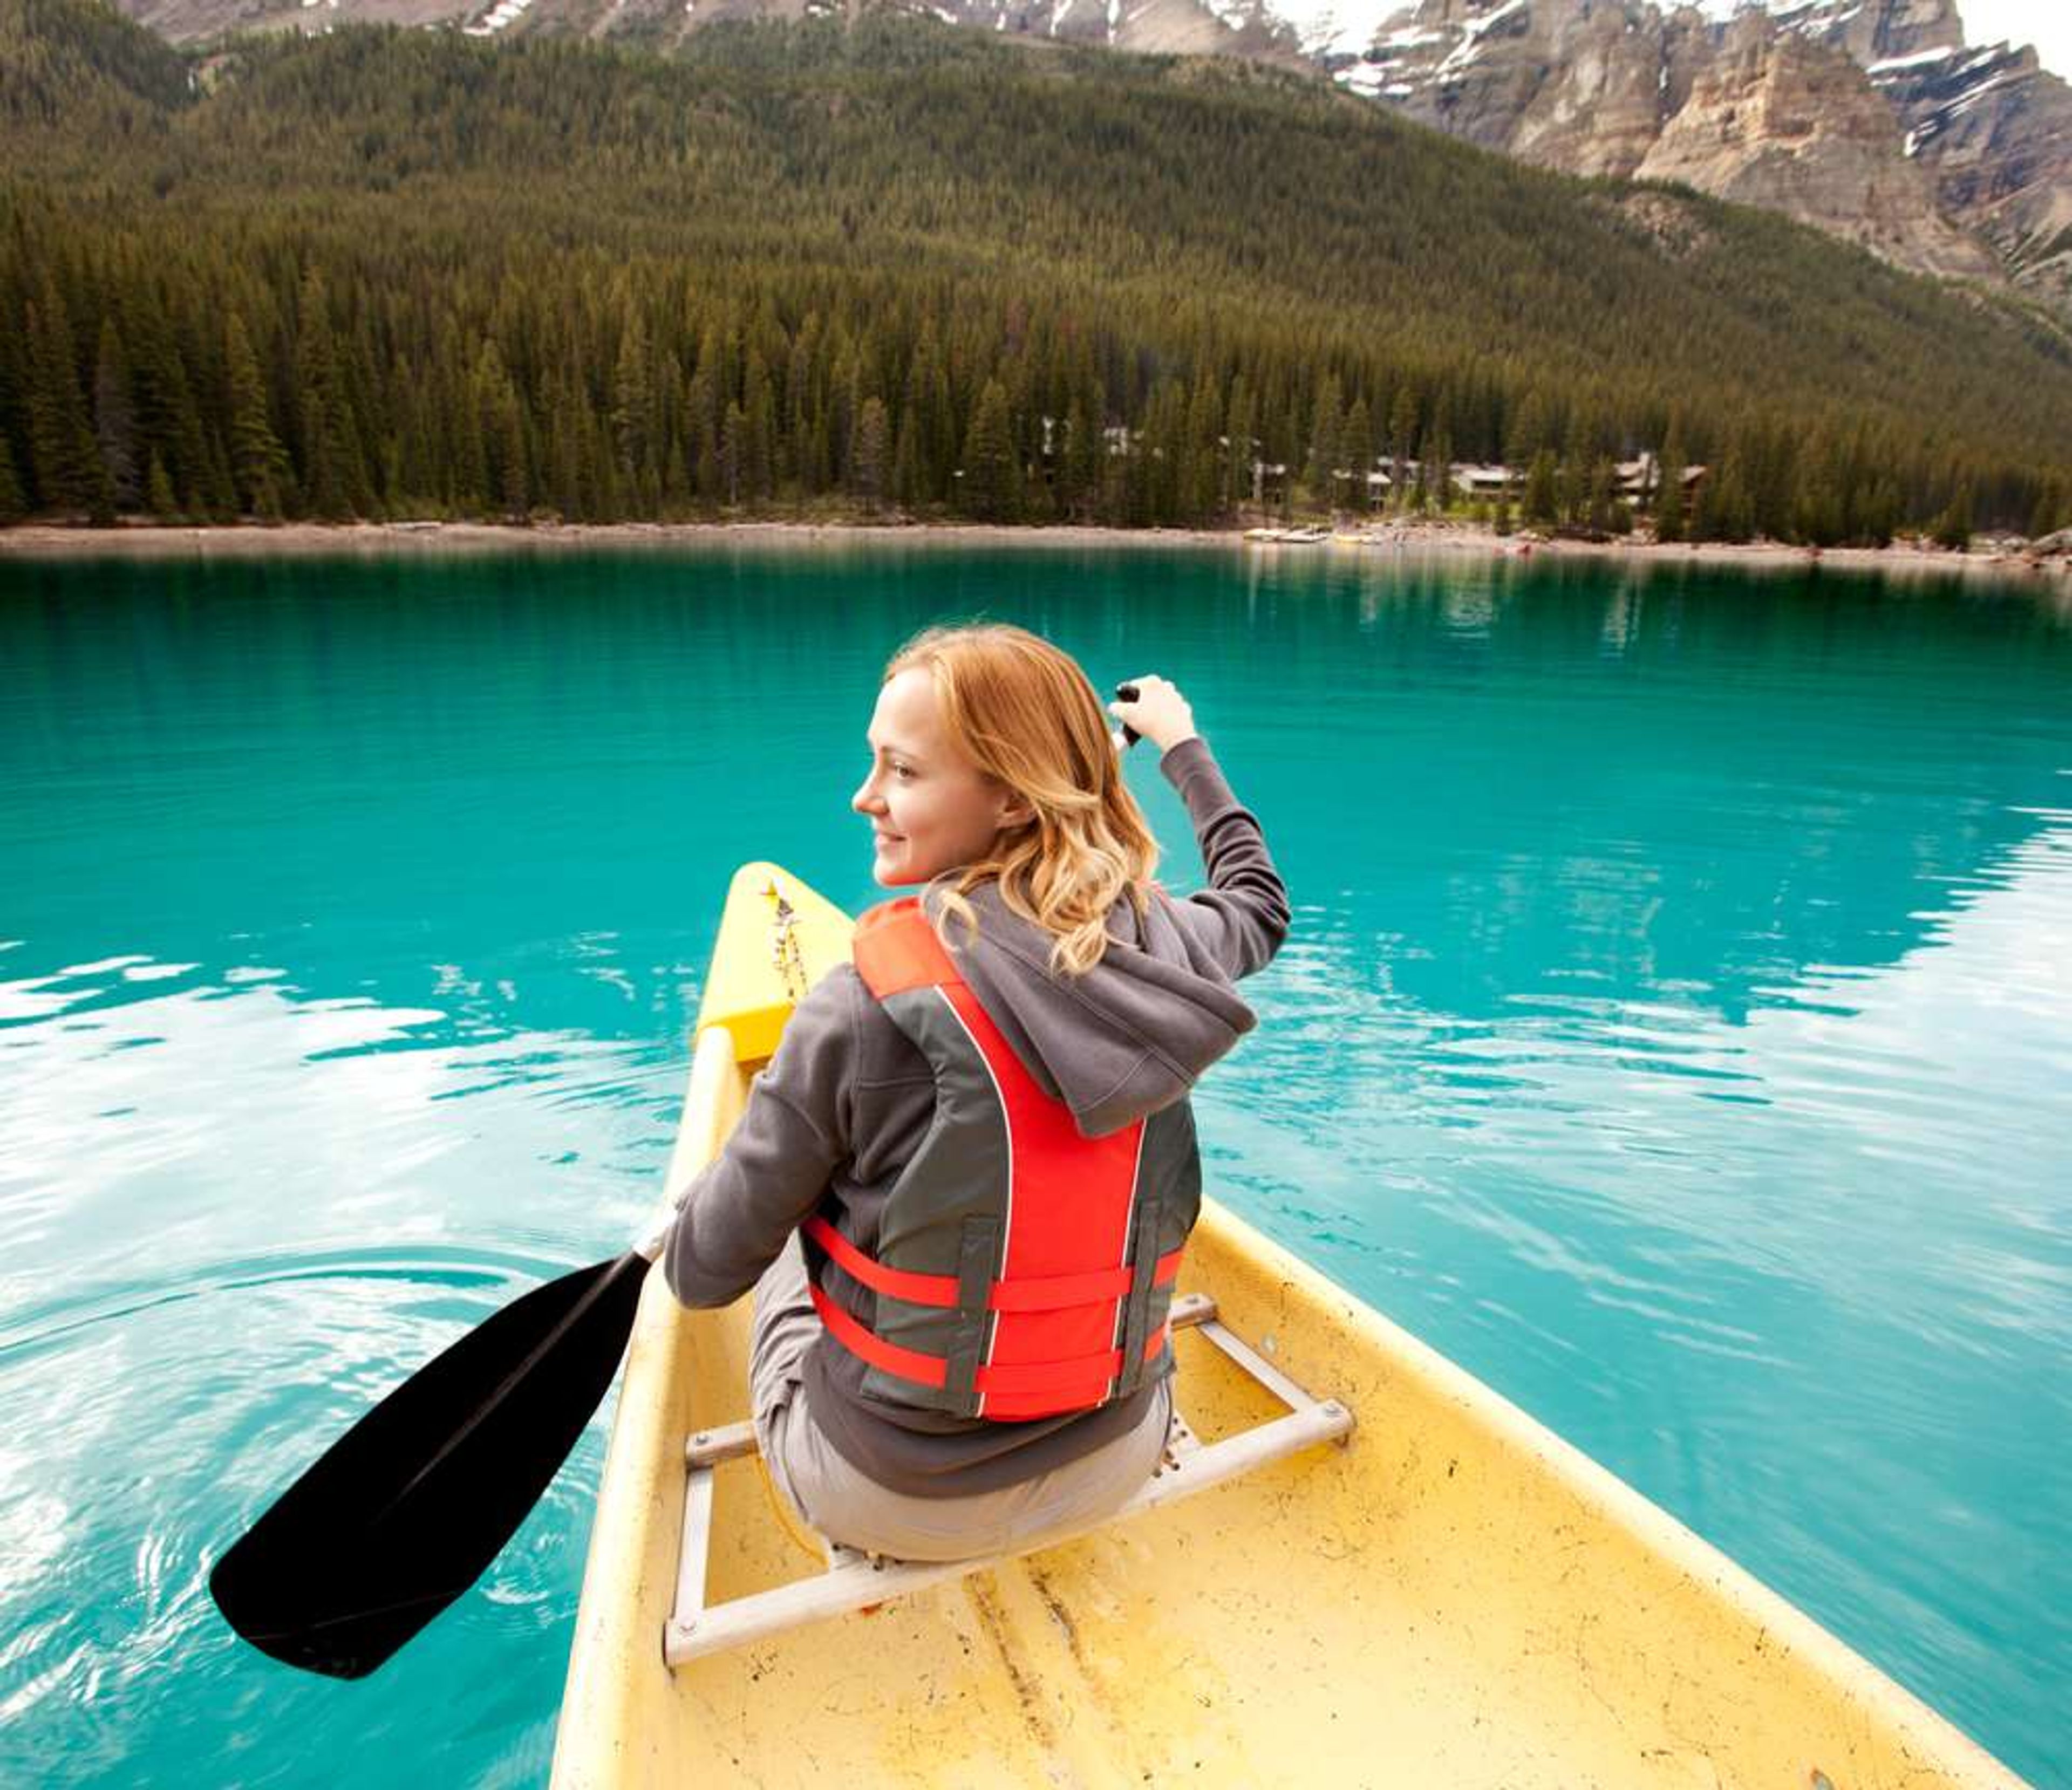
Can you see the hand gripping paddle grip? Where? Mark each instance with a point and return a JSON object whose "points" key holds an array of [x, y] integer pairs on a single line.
{"points": [[1128, 692]]}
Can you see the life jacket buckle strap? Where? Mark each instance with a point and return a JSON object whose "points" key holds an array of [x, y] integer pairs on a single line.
{"points": [[978, 1255], [1136, 1304], [1039, 1293]]}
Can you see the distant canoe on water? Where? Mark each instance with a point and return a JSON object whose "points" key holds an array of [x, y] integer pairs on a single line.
{"points": [[1406, 1582]]}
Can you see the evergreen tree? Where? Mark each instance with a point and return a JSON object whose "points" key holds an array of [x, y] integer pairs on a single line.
{"points": [[563, 472], [1704, 520], [701, 419], [906, 476], [469, 464], [359, 416], [2049, 513], [928, 411], [1778, 471], [1532, 427], [1200, 472], [259, 463], [321, 432], [1605, 503], [1158, 457], [1542, 490], [1817, 510], [675, 480], [1097, 462], [758, 430], [1435, 475], [1721, 511], [1880, 513], [800, 416], [1669, 506], [167, 417], [868, 455], [1326, 431], [734, 456], [14, 504], [1240, 485], [507, 481], [159, 498], [1356, 454], [1087, 451], [66, 464], [991, 482], [1402, 444], [634, 420], [1736, 508], [1954, 526], [115, 421], [846, 402], [606, 498], [1572, 477]]}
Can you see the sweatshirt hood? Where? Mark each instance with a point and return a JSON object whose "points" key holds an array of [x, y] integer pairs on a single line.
{"points": [[1129, 1037]]}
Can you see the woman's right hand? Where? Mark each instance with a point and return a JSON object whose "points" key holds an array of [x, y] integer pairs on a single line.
{"points": [[1160, 713]]}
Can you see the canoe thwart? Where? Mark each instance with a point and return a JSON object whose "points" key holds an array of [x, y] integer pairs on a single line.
{"points": [[854, 1580]]}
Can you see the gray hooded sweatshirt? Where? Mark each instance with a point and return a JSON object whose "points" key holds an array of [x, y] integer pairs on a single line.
{"points": [[835, 1114]]}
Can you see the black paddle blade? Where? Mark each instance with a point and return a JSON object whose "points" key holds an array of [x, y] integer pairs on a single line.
{"points": [[400, 1515]]}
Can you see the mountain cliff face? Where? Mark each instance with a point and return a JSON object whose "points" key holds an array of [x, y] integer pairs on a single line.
{"points": [[1994, 129], [1872, 119], [1869, 118], [1783, 121]]}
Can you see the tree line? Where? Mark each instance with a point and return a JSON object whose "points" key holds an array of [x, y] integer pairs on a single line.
{"points": [[891, 268]]}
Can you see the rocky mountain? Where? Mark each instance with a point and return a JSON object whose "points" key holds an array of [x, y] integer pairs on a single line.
{"points": [[1176, 27], [1872, 119]]}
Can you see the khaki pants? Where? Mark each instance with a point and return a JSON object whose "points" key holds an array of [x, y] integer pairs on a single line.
{"points": [[844, 1505]]}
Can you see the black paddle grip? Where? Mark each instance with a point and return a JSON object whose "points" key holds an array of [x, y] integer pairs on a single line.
{"points": [[1128, 692]]}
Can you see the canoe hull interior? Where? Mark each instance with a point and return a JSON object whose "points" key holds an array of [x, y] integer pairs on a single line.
{"points": [[1452, 1597]]}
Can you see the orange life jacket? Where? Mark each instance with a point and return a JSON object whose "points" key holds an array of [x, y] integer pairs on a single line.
{"points": [[1022, 1270]]}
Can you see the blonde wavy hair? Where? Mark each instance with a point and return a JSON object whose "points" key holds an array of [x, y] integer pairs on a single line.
{"points": [[1023, 712]]}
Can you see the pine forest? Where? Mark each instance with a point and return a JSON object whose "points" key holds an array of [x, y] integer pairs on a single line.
{"points": [[882, 267]]}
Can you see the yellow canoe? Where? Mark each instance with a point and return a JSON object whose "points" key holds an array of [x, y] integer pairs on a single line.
{"points": [[1448, 1595]]}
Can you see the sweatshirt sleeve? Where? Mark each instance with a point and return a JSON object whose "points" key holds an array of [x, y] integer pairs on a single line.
{"points": [[737, 1215], [1242, 916]]}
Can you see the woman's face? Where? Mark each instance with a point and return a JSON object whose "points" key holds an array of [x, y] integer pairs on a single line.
{"points": [[930, 809]]}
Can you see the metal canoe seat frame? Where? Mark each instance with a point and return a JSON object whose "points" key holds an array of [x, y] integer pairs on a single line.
{"points": [[853, 1581]]}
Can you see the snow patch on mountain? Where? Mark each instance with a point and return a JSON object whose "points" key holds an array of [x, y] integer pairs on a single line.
{"points": [[1344, 28], [502, 14]]}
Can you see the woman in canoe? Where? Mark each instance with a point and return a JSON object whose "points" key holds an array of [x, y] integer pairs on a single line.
{"points": [[961, 1186]]}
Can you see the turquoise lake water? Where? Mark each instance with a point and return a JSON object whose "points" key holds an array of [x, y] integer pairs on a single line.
{"points": [[1676, 1029]]}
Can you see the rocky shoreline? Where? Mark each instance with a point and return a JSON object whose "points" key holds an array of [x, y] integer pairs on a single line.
{"points": [[39, 540]]}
